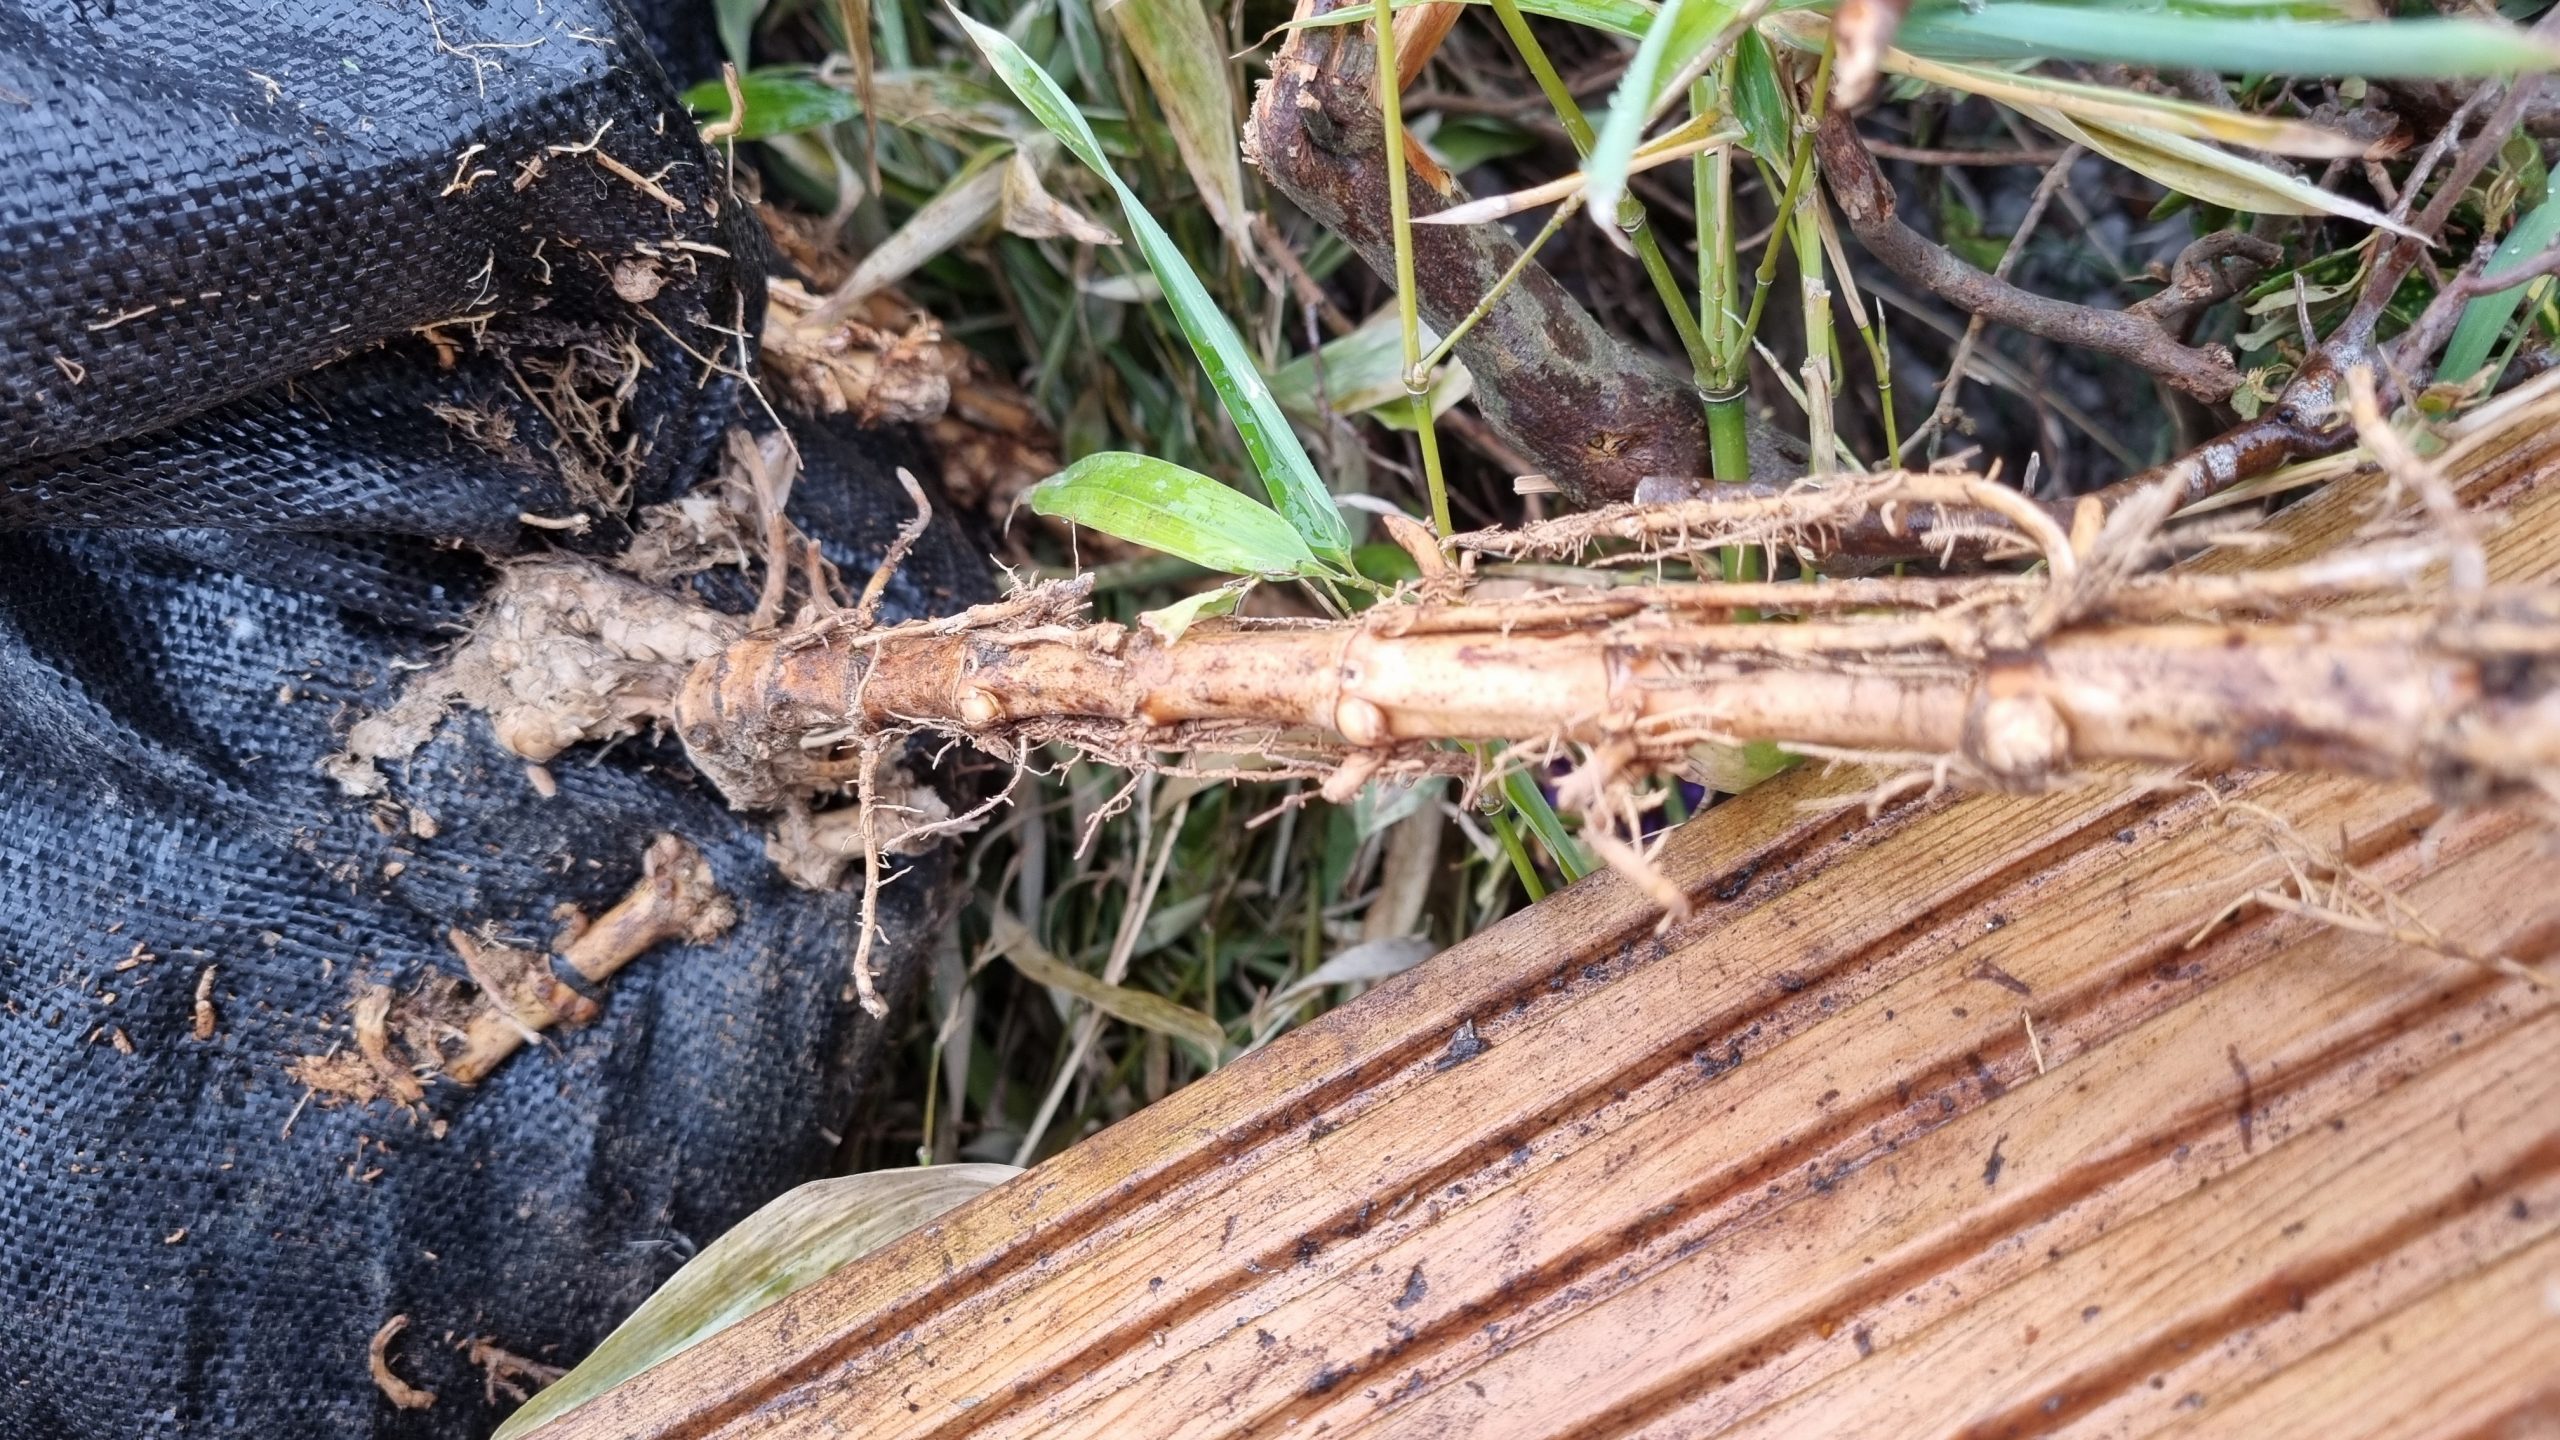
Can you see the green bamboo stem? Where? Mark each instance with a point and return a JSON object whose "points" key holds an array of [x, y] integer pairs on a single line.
{"points": [[1799, 166], [1710, 177], [1880, 356], [1729, 442], [1790, 202], [1728, 419], [1408, 297], [1550, 84], [1821, 344], [1657, 268]]}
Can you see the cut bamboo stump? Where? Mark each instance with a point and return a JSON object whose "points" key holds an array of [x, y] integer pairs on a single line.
{"points": [[1933, 1123]]}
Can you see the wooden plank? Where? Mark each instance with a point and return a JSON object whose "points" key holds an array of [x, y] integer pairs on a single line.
{"points": [[1929, 1123], [2478, 1358]]}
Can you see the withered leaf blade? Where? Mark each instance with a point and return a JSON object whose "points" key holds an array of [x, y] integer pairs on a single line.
{"points": [[797, 1239], [1131, 1006]]}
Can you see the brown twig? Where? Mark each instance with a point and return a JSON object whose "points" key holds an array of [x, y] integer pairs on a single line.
{"points": [[1952, 388], [2211, 269], [1866, 200]]}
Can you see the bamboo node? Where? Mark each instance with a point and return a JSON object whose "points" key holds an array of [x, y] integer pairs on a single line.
{"points": [[2020, 739], [1361, 723]]}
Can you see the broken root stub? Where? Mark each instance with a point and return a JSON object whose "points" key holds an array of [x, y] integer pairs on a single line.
{"points": [[442, 1029]]}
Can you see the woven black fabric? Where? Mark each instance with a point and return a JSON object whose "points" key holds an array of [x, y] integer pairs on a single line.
{"points": [[291, 297]]}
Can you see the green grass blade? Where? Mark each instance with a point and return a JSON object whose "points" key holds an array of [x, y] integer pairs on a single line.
{"points": [[1521, 789], [1758, 103], [2127, 35], [2485, 319], [1163, 506], [1632, 106], [1287, 474]]}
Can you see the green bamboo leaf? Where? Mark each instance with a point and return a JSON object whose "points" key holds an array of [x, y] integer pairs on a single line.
{"points": [[1680, 31], [803, 1236], [1757, 101], [1186, 68], [1163, 506], [1144, 1009], [2485, 319], [779, 101], [2227, 44], [1286, 472], [737, 22]]}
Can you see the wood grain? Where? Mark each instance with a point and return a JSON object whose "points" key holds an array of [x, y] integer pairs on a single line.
{"points": [[1935, 1123]]}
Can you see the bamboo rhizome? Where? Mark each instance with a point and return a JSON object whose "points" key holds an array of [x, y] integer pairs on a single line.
{"points": [[2392, 658]]}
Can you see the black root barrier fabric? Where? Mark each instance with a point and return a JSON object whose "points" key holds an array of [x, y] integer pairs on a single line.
{"points": [[288, 291]]}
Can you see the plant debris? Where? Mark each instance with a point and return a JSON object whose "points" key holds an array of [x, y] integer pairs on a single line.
{"points": [[464, 1032], [377, 1358]]}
